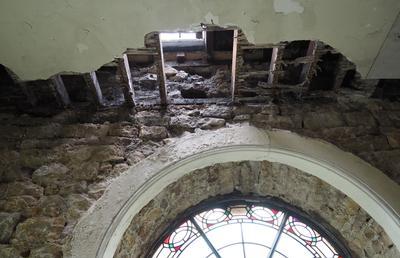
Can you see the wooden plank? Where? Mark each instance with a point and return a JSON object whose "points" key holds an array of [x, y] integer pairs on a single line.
{"points": [[94, 87], [200, 101], [305, 73], [272, 66], [124, 81], [141, 52], [261, 46], [342, 68], [161, 73], [129, 75], [25, 88], [61, 92], [234, 61], [222, 55]]}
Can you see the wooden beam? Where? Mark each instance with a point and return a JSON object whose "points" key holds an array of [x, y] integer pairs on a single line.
{"points": [[272, 66], [129, 76], [61, 92], [261, 46], [161, 73], [342, 68], [234, 61], [146, 51], [126, 88], [94, 87], [23, 85], [305, 73]]}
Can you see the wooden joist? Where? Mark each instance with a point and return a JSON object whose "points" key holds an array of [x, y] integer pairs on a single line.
{"points": [[61, 93], [234, 62], [272, 67], [343, 67], [94, 87], [161, 73], [24, 87], [261, 46], [127, 87], [129, 76], [306, 72], [138, 51]]}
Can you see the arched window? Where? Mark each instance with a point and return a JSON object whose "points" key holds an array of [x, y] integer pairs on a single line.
{"points": [[247, 228]]}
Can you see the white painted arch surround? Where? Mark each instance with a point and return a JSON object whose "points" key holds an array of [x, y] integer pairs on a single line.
{"points": [[98, 233]]}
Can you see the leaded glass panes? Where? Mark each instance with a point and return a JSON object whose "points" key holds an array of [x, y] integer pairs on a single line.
{"points": [[243, 231], [182, 242], [306, 237]]}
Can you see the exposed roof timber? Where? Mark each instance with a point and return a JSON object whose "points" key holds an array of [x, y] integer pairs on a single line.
{"points": [[306, 72], [234, 59], [124, 81], [61, 92], [128, 75], [272, 66], [161, 73], [262, 46], [141, 51], [94, 87]]}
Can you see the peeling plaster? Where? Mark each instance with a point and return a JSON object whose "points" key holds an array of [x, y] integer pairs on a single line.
{"points": [[210, 18], [288, 6], [122, 24]]}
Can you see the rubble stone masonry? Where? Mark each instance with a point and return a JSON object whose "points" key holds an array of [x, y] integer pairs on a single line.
{"points": [[52, 169]]}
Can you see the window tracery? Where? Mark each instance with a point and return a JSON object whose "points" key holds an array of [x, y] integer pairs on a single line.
{"points": [[244, 229]]}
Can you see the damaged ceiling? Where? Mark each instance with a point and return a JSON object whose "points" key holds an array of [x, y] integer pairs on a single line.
{"points": [[40, 39]]}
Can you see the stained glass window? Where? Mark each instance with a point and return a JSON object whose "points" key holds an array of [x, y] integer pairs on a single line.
{"points": [[245, 230]]}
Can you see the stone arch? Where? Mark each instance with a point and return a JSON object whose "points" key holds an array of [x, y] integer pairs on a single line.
{"points": [[347, 225], [98, 233]]}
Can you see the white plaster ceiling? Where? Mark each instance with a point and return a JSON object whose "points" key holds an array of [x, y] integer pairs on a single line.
{"points": [[42, 38]]}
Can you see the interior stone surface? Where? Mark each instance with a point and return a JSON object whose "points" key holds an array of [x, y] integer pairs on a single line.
{"points": [[322, 202], [75, 114], [53, 169]]}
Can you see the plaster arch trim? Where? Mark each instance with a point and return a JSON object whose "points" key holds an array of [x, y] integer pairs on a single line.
{"points": [[99, 232]]}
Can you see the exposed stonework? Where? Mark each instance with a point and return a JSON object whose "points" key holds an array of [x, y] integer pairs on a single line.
{"points": [[324, 203], [8, 221], [52, 169]]}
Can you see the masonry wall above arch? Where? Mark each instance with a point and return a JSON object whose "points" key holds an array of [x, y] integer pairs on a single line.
{"points": [[53, 169], [101, 230]]}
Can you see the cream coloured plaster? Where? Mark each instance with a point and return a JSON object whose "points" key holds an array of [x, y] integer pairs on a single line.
{"points": [[98, 233], [42, 38], [287, 6]]}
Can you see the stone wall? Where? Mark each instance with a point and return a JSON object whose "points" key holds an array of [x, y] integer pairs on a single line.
{"points": [[53, 169], [327, 205]]}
